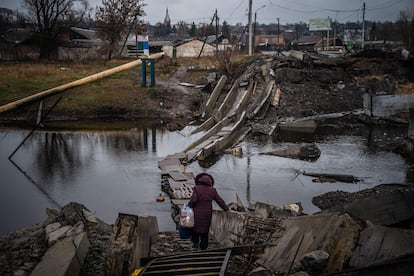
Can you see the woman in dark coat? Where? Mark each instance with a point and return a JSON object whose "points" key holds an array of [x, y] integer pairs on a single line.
{"points": [[201, 202]]}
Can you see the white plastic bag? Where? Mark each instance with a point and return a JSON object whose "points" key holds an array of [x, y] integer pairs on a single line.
{"points": [[186, 216]]}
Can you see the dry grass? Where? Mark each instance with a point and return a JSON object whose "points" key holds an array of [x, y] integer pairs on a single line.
{"points": [[18, 80], [118, 94], [404, 88]]}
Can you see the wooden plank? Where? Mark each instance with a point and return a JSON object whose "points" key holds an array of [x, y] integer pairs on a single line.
{"points": [[180, 184], [170, 162], [177, 176]]}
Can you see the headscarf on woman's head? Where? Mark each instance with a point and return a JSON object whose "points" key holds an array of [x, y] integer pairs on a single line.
{"points": [[204, 179]]}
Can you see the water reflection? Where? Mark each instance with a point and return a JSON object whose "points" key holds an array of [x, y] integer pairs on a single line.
{"points": [[109, 172], [116, 171]]}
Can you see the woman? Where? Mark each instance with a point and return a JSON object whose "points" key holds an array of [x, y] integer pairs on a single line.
{"points": [[201, 202]]}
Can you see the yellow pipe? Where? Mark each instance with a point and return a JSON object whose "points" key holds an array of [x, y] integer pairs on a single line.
{"points": [[64, 87]]}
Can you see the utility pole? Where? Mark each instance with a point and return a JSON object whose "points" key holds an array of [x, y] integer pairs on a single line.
{"points": [[205, 38], [250, 28], [217, 30], [363, 26], [254, 30], [278, 32]]}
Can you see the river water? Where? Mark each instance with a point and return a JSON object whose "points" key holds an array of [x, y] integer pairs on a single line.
{"points": [[113, 172]]}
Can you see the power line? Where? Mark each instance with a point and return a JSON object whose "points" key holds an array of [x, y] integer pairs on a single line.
{"points": [[385, 5], [314, 11], [236, 8]]}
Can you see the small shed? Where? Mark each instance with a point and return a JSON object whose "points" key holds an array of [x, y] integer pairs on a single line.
{"points": [[331, 44], [307, 43], [272, 40], [9, 44], [79, 44], [190, 48], [7, 49]]}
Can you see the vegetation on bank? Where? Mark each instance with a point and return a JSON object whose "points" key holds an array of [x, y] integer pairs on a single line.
{"points": [[120, 95]]}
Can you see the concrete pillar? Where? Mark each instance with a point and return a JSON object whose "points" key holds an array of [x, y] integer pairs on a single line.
{"points": [[144, 72], [411, 124], [130, 242], [152, 72]]}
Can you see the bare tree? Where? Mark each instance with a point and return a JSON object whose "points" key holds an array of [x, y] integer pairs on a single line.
{"points": [[406, 26], [181, 27], [50, 15], [226, 59], [115, 18]]}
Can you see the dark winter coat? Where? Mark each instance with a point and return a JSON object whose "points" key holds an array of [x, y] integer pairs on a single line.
{"points": [[201, 202]]}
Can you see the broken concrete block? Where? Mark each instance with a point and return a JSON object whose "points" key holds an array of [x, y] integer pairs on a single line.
{"points": [[89, 216], [52, 227], [308, 126], [315, 261], [64, 258], [303, 152], [57, 234]]}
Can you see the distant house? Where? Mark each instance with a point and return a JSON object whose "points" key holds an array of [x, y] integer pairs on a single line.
{"points": [[190, 48], [7, 49], [17, 44], [222, 43], [155, 46], [307, 43], [29, 48], [333, 43], [79, 44], [269, 40]]}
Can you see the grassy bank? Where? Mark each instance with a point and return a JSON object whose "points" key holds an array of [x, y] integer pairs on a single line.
{"points": [[117, 96]]}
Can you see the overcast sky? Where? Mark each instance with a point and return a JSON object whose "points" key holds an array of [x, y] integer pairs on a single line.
{"points": [[288, 11]]}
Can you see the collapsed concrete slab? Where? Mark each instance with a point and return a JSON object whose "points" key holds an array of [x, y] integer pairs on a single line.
{"points": [[308, 152], [266, 210], [386, 105], [333, 233], [383, 209], [64, 258], [380, 243]]}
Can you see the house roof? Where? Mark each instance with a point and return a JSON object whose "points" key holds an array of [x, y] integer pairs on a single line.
{"points": [[189, 40], [212, 39], [17, 35], [309, 40], [333, 41], [86, 33]]}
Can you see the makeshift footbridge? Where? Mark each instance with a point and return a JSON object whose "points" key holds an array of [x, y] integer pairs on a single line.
{"points": [[226, 122]]}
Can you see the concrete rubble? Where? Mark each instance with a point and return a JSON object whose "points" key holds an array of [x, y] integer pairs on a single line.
{"points": [[282, 239]]}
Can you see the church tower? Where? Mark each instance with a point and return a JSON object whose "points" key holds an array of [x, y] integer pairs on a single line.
{"points": [[167, 20]]}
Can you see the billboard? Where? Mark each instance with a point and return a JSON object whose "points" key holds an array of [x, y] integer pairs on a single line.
{"points": [[138, 45], [319, 24]]}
